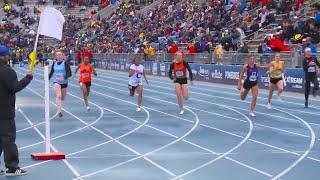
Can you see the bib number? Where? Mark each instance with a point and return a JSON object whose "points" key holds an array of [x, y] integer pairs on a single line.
{"points": [[179, 74], [139, 75], [312, 69], [278, 74], [85, 75], [253, 77]]}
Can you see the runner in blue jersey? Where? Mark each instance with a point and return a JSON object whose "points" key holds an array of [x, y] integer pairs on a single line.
{"points": [[60, 72]]}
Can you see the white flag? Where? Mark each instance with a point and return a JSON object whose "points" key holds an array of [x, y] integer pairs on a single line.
{"points": [[51, 23]]}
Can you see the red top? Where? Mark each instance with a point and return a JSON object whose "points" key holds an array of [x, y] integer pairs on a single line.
{"points": [[191, 49], [172, 49], [179, 70], [85, 73]]}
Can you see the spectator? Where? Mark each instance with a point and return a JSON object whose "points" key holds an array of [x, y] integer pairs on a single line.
{"points": [[191, 48], [173, 48], [218, 53], [149, 52], [86, 53]]}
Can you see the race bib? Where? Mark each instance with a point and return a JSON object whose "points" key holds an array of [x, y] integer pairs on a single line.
{"points": [[312, 69], [139, 75], [253, 77], [85, 75], [278, 74], [179, 74]]}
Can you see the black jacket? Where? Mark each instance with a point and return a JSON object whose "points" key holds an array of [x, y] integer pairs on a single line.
{"points": [[9, 86]]}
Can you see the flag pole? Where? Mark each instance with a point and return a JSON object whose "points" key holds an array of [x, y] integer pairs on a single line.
{"points": [[50, 24], [47, 108], [37, 39]]}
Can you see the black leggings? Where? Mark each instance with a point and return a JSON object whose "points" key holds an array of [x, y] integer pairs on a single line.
{"points": [[314, 80]]}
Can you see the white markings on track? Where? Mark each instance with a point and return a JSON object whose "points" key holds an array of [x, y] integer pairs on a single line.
{"points": [[75, 172]]}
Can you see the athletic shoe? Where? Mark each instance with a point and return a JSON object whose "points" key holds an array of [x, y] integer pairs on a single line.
{"points": [[138, 109], [306, 104], [16, 172], [181, 112], [269, 106], [314, 93], [252, 114], [2, 172], [60, 114], [88, 108]]}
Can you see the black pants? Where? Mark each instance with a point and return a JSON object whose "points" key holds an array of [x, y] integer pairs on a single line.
{"points": [[314, 79], [10, 150]]}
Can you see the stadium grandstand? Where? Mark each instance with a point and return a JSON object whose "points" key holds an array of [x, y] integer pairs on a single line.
{"points": [[212, 28]]}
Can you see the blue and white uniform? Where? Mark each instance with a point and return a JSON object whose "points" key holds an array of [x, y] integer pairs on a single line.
{"points": [[60, 72]]}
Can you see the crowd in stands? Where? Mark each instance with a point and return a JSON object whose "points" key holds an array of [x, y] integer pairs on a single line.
{"points": [[212, 26], [201, 26]]}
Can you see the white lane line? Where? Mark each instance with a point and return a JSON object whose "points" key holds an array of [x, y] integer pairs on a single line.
{"points": [[151, 152], [73, 170], [305, 154], [111, 76], [263, 126], [257, 124], [206, 149], [244, 140], [208, 95], [38, 124], [163, 113], [66, 134], [208, 88], [257, 170], [125, 146]]}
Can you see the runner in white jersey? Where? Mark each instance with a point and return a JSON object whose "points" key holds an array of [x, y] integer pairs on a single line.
{"points": [[136, 72]]}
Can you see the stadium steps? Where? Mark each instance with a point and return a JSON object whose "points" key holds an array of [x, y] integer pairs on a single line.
{"points": [[152, 5], [79, 13], [2, 14]]}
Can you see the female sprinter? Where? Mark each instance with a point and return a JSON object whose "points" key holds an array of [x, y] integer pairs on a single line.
{"points": [[250, 83], [276, 71], [310, 64], [60, 71], [86, 69], [136, 72], [179, 68]]}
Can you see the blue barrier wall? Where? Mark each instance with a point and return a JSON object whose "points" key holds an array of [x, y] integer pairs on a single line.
{"points": [[226, 74]]}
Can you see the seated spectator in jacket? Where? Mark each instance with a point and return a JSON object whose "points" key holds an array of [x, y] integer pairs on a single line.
{"points": [[218, 51], [191, 48], [173, 48]]}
